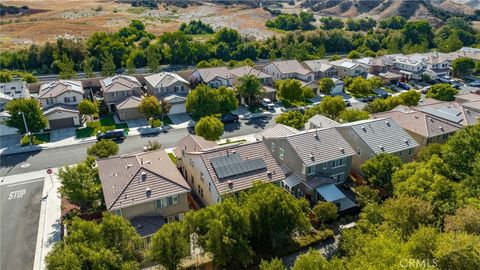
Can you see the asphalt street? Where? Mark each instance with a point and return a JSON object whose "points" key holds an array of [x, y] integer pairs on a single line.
{"points": [[19, 218], [67, 155]]}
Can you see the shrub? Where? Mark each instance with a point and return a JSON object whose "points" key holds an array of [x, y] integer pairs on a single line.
{"points": [[103, 149], [153, 145], [154, 123]]}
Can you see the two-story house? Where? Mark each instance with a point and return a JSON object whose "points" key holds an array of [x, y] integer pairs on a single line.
{"points": [[122, 94], [222, 171], [59, 100], [349, 68], [266, 80], [460, 114], [438, 64], [425, 129], [321, 68], [213, 77], [145, 188], [170, 87], [409, 66], [375, 136], [376, 65], [288, 69], [313, 160], [13, 90]]}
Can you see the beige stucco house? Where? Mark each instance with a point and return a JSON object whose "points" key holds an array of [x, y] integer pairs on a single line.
{"points": [[170, 87], [145, 188], [119, 92]]}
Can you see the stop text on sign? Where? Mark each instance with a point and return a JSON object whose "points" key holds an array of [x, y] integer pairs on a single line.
{"points": [[17, 194]]}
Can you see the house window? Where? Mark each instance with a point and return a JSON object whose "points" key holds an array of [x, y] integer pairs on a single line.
{"points": [[118, 212], [410, 151], [273, 147], [400, 153], [429, 140], [303, 169], [358, 151], [167, 201], [209, 186], [281, 153], [311, 170], [338, 163], [445, 136], [325, 165], [339, 177]]}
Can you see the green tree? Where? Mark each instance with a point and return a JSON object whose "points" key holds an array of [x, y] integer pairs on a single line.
{"points": [[201, 101], [250, 88], [325, 211], [463, 66], [274, 264], [170, 245], [442, 91], [332, 106], [87, 107], [30, 108], [108, 65], [88, 67], [466, 219], [66, 67], [360, 87], [293, 119], [378, 170], [326, 85], [226, 99], [313, 260], [209, 127], [274, 216], [80, 184], [289, 90], [153, 58], [366, 195], [353, 55], [110, 244], [428, 151], [410, 98], [149, 106], [352, 115], [103, 148], [165, 107], [130, 66], [458, 251]]}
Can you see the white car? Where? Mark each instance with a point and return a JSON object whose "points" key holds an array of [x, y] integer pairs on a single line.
{"points": [[267, 104], [445, 79], [474, 84]]}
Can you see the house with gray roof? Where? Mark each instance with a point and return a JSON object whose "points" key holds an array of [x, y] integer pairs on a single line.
{"points": [[145, 188], [349, 68], [311, 159], [170, 87], [216, 172], [213, 77], [278, 130], [14, 89], [117, 89], [321, 68], [59, 100], [248, 70], [460, 114], [375, 136], [320, 121], [424, 128], [288, 69]]}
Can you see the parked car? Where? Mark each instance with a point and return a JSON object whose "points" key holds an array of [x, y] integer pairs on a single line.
{"points": [[445, 79], [267, 104], [474, 84], [381, 93], [229, 118], [403, 85], [456, 85], [425, 89], [117, 134]]}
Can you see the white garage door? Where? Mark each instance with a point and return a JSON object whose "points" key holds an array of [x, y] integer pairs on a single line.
{"points": [[177, 108]]}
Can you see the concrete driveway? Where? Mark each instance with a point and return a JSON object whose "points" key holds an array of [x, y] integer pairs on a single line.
{"points": [[61, 134], [180, 119], [141, 122]]}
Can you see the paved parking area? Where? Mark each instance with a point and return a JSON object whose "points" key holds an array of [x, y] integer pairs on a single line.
{"points": [[180, 119], [61, 134], [20, 205], [141, 122]]}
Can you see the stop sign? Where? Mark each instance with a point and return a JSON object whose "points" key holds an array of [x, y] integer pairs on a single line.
{"points": [[49, 171]]}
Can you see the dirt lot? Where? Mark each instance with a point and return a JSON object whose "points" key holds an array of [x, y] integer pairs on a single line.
{"points": [[80, 18]]}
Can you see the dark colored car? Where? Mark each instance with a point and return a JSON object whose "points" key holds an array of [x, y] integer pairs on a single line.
{"points": [[229, 118], [117, 134], [403, 85]]}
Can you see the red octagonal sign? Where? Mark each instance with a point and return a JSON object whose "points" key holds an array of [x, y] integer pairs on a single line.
{"points": [[49, 171]]}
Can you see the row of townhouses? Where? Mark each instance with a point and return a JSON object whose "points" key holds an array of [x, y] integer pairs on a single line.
{"points": [[122, 94], [149, 189]]}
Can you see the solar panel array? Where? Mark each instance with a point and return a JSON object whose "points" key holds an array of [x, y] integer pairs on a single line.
{"points": [[232, 164], [449, 114]]}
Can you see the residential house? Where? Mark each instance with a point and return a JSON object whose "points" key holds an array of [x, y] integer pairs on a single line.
{"points": [[467, 97], [145, 188], [59, 100], [460, 114], [410, 66], [424, 128], [376, 65], [438, 64], [122, 95], [278, 130], [288, 69], [338, 86], [349, 68], [473, 53], [169, 87], [4, 129], [14, 89], [191, 143], [320, 121], [4, 99], [312, 160], [375, 136], [248, 70], [217, 172], [321, 68], [213, 77]]}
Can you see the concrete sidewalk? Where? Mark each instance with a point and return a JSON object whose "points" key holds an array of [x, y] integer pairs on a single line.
{"points": [[16, 148], [50, 212]]}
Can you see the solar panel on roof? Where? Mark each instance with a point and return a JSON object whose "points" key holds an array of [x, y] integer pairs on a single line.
{"points": [[232, 164], [449, 114]]}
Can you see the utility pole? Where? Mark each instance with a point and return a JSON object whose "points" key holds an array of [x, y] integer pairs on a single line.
{"points": [[26, 128]]}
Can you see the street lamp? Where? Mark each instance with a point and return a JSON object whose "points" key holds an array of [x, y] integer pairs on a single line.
{"points": [[26, 128]]}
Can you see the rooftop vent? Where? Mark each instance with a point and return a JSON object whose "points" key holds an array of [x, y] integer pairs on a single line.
{"points": [[387, 122], [129, 166], [312, 157], [441, 128], [415, 116], [144, 176], [382, 148], [230, 184], [114, 174], [269, 174], [233, 151], [148, 191], [467, 111], [407, 141], [148, 162], [342, 149], [364, 129]]}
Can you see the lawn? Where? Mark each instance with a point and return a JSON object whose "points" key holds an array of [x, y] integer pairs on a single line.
{"points": [[173, 158], [43, 137], [102, 125]]}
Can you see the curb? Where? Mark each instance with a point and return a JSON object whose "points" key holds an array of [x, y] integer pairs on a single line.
{"points": [[33, 148]]}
